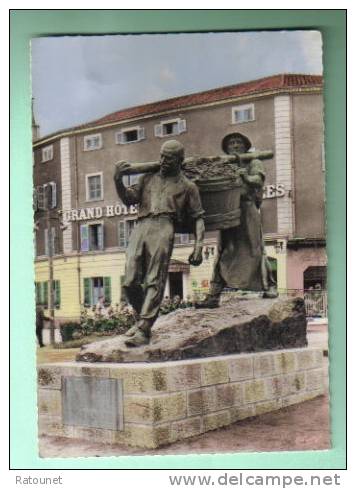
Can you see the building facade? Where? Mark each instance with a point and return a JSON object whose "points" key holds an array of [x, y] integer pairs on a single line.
{"points": [[79, 215]]}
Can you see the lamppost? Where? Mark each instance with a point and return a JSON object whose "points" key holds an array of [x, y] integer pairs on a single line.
{"points": [[47, 207], [50, 240]]}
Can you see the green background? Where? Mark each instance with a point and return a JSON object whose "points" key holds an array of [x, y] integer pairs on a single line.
{"points": [[26, 24]]}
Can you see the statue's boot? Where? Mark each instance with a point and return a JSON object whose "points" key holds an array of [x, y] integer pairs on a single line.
{"points": [[132, 331], [270, 293], [142, 334], [210, 302], [138, 339]]}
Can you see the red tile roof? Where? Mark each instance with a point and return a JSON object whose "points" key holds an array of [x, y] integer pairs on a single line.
{"points": [[280, 82], [248, 88]]}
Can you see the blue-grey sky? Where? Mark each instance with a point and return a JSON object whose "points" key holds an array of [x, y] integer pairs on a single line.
{"points": [[76, 79]]}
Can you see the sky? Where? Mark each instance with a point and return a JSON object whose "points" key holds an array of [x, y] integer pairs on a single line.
{"points": [[76, 79]]}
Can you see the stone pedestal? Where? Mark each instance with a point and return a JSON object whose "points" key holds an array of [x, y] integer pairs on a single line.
{"points": [[152, 404]]}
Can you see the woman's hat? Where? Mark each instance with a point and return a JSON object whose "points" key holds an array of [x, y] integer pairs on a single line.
{"points": [[234, 135]]}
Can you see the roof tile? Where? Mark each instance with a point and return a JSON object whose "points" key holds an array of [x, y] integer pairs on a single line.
{"points": [[275, 82]]}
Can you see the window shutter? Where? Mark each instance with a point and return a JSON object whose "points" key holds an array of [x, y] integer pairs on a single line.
{"points": [[141, 133], [120, 137], [38, 292], [84, 237], [101, 237], [40, 197], [158, 130], [53, 186], [46, 241], [57, 294], [45, 294], [107, 290], [122, 290], [122, 234], [47, 196], [182, 125], [87, 292]]}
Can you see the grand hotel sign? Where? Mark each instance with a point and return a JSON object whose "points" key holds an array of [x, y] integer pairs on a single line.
{"points": [[87, 213]]}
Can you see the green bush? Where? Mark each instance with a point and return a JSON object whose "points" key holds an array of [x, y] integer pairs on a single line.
{"points": [[67, 330], [88, 326], [118, 323]]}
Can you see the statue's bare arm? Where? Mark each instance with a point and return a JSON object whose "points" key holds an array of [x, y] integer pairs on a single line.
{"points": [[196, 257], [128, 195]]}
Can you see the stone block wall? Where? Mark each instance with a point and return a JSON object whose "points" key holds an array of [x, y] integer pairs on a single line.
{"points": [[166, 402]]}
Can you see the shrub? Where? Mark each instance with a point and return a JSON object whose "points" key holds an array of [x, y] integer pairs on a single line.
{"points": [[67, 330]]}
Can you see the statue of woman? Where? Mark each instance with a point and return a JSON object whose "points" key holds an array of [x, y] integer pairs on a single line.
{"points": [[241, 261]]}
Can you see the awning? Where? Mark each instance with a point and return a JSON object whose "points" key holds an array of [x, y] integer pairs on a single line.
{"points": [[178, 266]]}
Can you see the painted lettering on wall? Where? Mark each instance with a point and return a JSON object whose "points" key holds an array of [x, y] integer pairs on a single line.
{"points": [[88, 213], [273, 191]]}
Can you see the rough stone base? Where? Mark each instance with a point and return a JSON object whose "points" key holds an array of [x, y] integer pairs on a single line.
{"points": [[240, 326], [170, 401]]}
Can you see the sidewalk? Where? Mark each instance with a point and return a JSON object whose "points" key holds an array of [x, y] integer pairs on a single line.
{"points": [[317, 334]]}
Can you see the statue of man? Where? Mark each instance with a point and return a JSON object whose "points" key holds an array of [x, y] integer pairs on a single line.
{"points": [[241, 261], [166, 199]]}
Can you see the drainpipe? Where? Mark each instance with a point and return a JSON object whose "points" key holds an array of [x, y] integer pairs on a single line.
{"points": [[76, 180]]}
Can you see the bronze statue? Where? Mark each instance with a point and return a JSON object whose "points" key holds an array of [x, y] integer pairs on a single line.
{"points": [[241, 261], [166, 200]]}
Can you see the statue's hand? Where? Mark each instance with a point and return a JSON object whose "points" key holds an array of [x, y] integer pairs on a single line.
{"points": [[196, 257], [121, 168], [243, 173]]}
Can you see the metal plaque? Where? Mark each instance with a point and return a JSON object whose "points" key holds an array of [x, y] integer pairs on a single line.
{"points": [[92, 402]]}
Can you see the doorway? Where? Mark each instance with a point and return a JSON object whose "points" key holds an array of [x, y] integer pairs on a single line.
{"points": [[175, 284]]}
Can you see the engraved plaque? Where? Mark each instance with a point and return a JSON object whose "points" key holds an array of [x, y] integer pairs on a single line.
{"points": [[92, 402]]}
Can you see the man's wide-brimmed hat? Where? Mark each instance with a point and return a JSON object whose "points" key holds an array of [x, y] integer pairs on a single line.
{"points": [[234, 135]]}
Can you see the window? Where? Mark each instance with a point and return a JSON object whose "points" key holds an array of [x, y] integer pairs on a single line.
{"points": [[42, 296], [57, 293], [53, 241], [95, 288], [125, 229], [130, 135], [38, 198], [47, 153], [315, 276], [44, 192], [171, 127], [92, 142], [91, 237], [51, 188], [129, 180], [94, 187], [243, 113]]}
